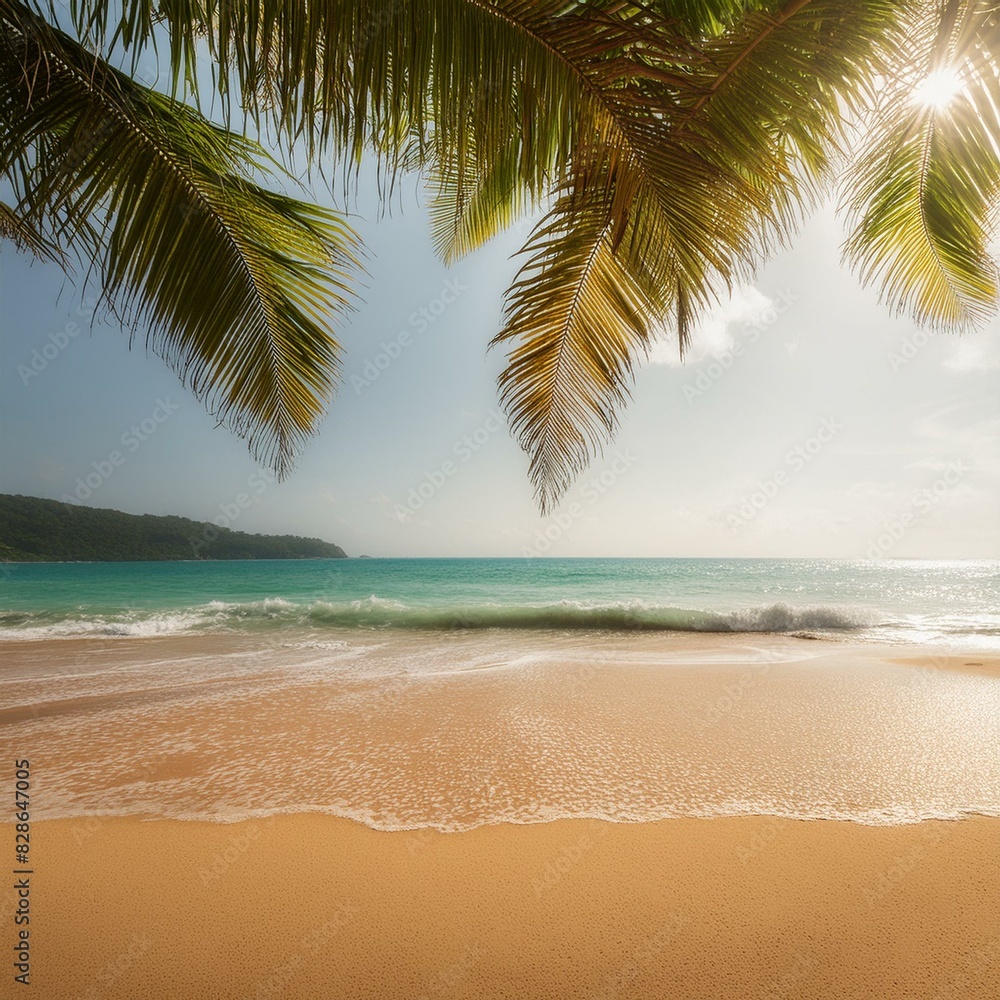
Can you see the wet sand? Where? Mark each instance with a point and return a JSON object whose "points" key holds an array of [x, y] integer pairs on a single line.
{"points": [[457, 730]]}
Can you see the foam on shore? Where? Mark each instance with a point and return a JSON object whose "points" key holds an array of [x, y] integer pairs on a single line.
{"points": [[453, 733]]}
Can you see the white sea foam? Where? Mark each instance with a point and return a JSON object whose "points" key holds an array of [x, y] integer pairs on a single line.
{"points": [[895, 600], [405, 731], [399, 822]]}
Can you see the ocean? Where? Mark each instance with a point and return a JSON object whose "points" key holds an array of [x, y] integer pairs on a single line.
{"points": [[900, 601], [449, 694]]}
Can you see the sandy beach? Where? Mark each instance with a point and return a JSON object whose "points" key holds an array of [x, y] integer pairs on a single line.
{"points": [[314, 906], [135, 744]]}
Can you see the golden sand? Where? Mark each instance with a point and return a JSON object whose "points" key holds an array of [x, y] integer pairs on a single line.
{"points": [[986, 665], [313, 906]]}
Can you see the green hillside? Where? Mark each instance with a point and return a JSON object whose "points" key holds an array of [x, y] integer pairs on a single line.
{"points": [[36, 530]]}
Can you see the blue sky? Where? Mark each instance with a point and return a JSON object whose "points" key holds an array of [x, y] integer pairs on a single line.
{"points": [[806, 421]]}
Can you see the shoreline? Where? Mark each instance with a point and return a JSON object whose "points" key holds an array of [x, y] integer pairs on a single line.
{"points": [[984, 661], [310, 906]]}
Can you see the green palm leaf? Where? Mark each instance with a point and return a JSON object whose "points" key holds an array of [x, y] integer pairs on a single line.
{"points": [[578, 317], [683, 142], [25, 236], [470, 204], [236, 284], [686, 202]]}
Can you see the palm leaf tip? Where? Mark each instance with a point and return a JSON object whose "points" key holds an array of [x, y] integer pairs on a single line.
{"points": [[578, 317], [27, 237]]}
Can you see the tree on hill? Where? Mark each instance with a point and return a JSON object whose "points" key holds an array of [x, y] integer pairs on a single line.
{"points": [[36, 530]]}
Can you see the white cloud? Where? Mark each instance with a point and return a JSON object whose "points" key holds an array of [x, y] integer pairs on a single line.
{"points": [[932, 464], [975, 352], [713, 336], [869, 490]]}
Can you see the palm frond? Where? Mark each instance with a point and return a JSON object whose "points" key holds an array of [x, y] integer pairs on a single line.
{"points": [[236, 285], [470, 204], [925, 192], [579, 320], [700, 169], [685, 141]]}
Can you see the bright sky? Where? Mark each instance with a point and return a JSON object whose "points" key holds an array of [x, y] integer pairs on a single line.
{"points": [[806, 422]]}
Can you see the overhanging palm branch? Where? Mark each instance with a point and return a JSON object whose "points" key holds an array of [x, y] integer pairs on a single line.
{"points": [[236, 284], [578, 317], [687, 202], [470, 203]]}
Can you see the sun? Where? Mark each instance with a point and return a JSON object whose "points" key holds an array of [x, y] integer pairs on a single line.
{"points": [[938, 88]]}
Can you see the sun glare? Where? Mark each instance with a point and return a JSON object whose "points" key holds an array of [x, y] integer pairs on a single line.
{"points": [[938, 89]]}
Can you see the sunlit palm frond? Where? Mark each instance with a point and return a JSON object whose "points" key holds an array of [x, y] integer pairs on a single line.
{"points": [[926, 190], [708, 160], [685, 140], [344, 75], [579, 321], [236, 285], [469, 204]]}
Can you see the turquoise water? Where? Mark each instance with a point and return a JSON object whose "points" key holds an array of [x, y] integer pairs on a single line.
{"points": [[892, 600]]}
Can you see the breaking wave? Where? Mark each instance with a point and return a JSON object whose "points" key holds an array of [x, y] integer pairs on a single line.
{"points": [[379, 613]]}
